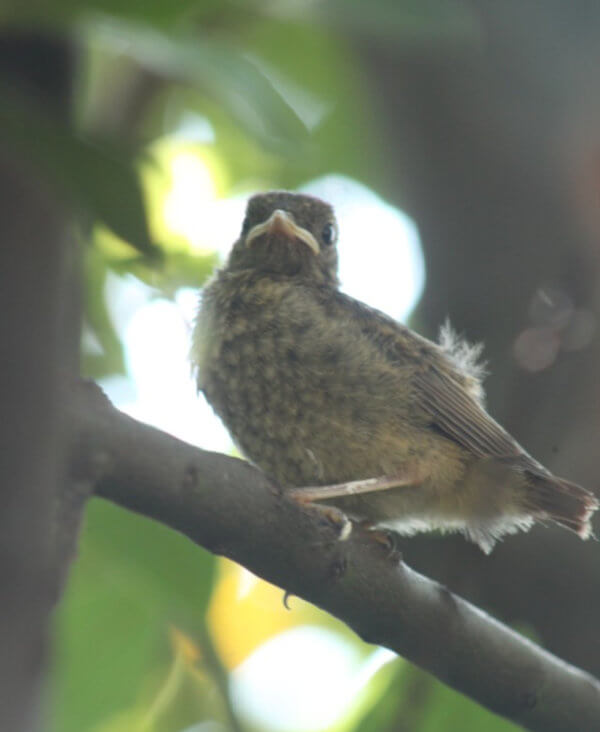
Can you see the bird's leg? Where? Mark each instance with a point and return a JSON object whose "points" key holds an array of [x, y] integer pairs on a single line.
{"points": [[409, 476]]}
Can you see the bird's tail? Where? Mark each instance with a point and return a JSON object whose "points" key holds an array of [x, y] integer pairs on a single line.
{"points": [[568, 504]]}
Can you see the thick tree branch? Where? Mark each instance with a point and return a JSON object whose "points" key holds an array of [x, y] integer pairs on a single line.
{"points": [[230, 508], [38, 353]]}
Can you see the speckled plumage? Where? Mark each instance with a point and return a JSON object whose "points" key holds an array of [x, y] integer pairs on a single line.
{"points": [[317, 388]]}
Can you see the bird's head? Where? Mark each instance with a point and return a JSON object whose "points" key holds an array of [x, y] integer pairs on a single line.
{"points": [[290, 234]]}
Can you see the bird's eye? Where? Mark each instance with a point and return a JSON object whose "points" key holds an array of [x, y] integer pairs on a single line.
{"points": [[328, 234]]}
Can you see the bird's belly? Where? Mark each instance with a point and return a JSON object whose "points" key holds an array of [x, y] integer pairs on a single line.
{"points": [[302, 424]]}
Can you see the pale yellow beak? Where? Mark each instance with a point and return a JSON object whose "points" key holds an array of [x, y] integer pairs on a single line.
{"points": [[280, 222]]}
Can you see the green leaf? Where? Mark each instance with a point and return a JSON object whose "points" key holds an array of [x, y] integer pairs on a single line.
{"points": [[414, 700], [451, 711], [321, 74], [133, 580], [93, 176], [383, 711], [110, 359], [107, 640], [159, 12], [215, 67], [177, 571]]}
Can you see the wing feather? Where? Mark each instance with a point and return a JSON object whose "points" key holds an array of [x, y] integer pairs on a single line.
{"points": [[442, 390], [461, 417]]}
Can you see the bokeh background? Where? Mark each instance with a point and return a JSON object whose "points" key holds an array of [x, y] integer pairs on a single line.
{"points": [[460, 145]]}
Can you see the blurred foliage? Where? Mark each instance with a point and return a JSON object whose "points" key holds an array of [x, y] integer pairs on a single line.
{"points": [[284, 97], [239, 594], [98, 179], [136, 591]]}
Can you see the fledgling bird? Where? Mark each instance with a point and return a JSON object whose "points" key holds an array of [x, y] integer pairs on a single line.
{"points": [[318, 390]]}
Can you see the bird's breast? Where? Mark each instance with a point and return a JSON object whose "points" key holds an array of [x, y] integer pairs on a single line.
{"points": [[250, 371], [305, 396]]}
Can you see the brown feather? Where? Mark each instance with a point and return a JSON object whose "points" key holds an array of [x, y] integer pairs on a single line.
{"points": [[457, 414]]}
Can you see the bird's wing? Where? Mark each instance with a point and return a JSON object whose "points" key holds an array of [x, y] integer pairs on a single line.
{"points": [[459, 416], [441, 390]]}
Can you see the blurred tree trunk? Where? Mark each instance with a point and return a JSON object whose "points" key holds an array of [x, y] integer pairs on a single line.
{"points": [[37, 358], [495, 150]]}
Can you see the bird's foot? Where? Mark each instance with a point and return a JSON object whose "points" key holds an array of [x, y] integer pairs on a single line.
{"points": [[330, 516], [386, 538]]}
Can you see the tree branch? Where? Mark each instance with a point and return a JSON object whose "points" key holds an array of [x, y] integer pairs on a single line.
{"points": [[229, 507], [38, 355]]}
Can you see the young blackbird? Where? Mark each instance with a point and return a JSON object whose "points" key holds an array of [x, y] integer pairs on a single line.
{"points": [[320, 390]]}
